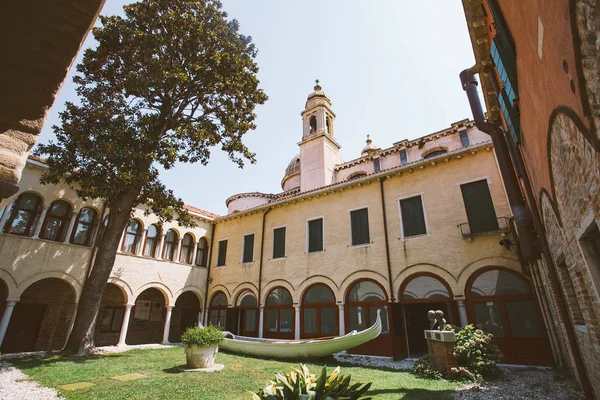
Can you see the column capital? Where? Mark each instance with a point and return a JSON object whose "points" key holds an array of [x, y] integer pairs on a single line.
{"points": [[129, 306], [12, 302], [170, 307]]}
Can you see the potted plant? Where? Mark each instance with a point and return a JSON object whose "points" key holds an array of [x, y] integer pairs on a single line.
{"points": [[201, 345]]}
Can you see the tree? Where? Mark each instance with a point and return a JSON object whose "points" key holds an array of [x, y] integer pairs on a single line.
{"points": [[167, 82]]}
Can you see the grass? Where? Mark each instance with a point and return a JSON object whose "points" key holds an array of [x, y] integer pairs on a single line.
{"points": [[165, 380]]}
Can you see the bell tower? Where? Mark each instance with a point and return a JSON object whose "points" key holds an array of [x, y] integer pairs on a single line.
{"points": [[319, 151]]}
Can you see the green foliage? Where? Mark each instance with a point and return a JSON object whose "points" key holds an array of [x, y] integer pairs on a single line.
{"points": [[206, 336], [475, 353], [167, 82], [300, 384], [422, 368]]}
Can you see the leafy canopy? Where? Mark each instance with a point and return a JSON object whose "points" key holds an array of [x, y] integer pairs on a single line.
{"points": [[166, 83]]}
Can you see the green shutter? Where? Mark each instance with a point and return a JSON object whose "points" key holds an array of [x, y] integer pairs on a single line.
{"points": [[279, 242], [248, 248], [413, 217], [479, 207], [315, 235], [359, 220], [222, 253]]}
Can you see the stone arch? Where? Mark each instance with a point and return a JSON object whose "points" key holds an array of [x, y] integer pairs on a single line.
{"points": [[430, 268], [469, 269], [70, 279], [364, 275], [275, 283], [218, 288], [420, 274], [319, 279], [125, 288], [552, 226], [193, 289], [11, 284], [161, 287], [241, 288]]}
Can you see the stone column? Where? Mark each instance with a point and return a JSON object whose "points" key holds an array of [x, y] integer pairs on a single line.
{"points": [[297, 322], [195, 250], [261, 319], [140, 247], [160, 247], [10, 306], [7, 211], [342, 320], [462, 312], [125, 325], [71, 226], [167, 325], [40, 223], [178, 250]]}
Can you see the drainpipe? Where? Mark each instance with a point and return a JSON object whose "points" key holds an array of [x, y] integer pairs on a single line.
{"points": [[528, 240], [260, 264], [387, 241], [212, 247]]}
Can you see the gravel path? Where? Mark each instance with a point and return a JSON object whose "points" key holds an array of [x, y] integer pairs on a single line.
{"points": [[373, 361], [524, 383], [15, 386]]}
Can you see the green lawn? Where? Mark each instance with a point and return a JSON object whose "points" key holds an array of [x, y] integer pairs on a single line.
{"points": [[165, 380]]}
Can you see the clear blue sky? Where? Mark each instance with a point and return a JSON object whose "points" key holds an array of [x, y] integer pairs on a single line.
{"points": [[390, 68]]}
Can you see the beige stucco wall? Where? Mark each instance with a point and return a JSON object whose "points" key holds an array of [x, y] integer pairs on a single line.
{"points": [[454, 258]]}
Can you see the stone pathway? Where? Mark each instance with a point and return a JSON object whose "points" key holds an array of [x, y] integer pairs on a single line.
{"points": [[374, 361], [15, 386]]}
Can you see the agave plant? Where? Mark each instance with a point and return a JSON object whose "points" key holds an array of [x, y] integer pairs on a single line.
{"points": [[300, 384]]}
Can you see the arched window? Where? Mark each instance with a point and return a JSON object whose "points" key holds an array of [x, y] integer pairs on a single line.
{"points": [[362, 303], [171, 239], [152, 241], [424, 287], [319, 312], [248, 314], [187, 249], [435, 153], [328, 124], [217, 313], [133, 235], [313, 124], [501, 302], [357, 175], [279, 315], [56, 222], [202, 252], [83, 232], [24, 215]]}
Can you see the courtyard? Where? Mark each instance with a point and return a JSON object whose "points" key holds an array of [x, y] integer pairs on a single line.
{"points": [[157, 373]]}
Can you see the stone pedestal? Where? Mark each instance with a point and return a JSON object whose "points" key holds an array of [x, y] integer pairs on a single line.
{"points": [[441, 346]]}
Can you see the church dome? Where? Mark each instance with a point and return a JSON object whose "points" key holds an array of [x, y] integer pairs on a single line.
{"points": [[369, 148], [291, 178]]}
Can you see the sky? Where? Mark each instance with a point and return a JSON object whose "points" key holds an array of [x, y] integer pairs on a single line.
{"points": [[390, 68]]}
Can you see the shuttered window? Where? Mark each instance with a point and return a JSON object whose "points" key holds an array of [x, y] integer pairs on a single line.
{"points": [[464, 138], [403, 158], [279, 242], [413, 217], [479, 207], [315, 235], [248, 251], [222, 253], [359, 221]]}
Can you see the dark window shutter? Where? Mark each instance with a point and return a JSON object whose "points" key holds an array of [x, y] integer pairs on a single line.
{"points": [[248, 248], [279, 242], [315, 235], [403, 158], [413, 217], [359, 220], [377, 164], [222, 253], [464, 138], [479, 207]]}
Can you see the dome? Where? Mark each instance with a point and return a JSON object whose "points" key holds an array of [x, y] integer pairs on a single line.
{"points": [[369, 148], [291, 178]]}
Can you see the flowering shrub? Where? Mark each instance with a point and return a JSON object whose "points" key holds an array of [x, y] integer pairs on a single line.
{"points": [[475, 353], [422, 369]]}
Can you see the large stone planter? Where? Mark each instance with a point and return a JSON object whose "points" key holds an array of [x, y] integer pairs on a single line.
{"points": [[200, 356], [440, 345]]}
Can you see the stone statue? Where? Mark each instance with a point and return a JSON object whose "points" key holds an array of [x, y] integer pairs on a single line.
{"points": [[436, 320]]}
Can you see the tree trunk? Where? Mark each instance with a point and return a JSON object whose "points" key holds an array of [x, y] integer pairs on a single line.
{"points": [[81, 340]]}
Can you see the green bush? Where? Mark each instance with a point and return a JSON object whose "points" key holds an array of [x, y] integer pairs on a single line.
{"points": [[302, 385], [422, 368], [206, 336], [475, 354]]}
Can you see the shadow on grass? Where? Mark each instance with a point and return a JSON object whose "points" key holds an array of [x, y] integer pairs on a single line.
{"points": [[414, 394], [34, 362], [175, 370]]}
